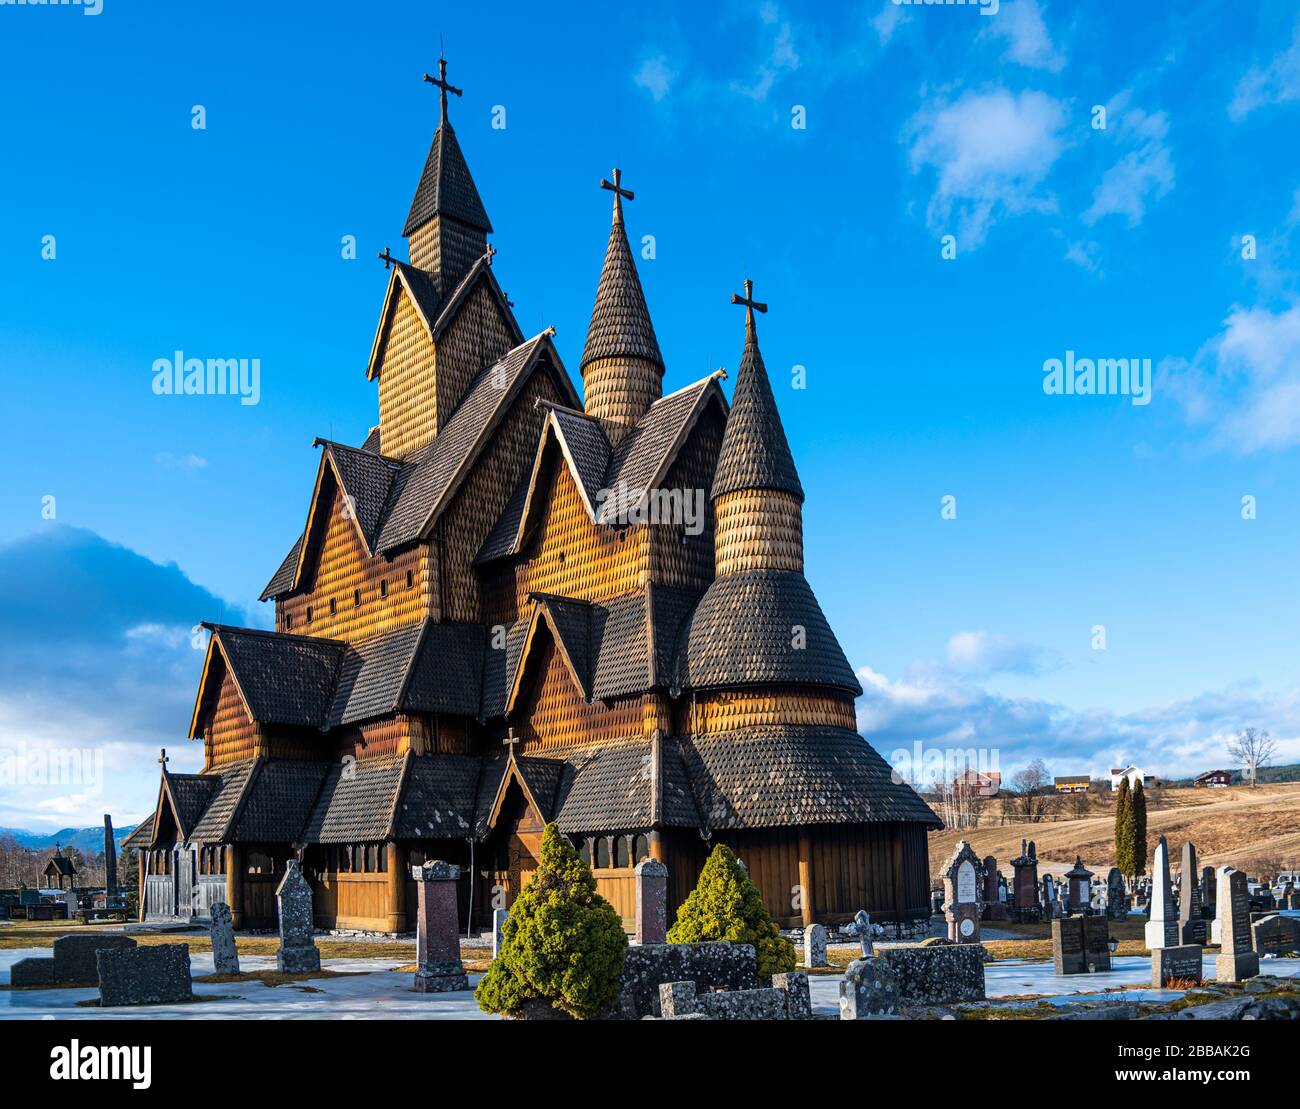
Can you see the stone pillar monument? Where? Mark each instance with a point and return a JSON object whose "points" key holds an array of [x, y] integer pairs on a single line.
{"points": [[1162, 926], [1238, 959], [1025, 881], [651, 901], [1079, 878], [1191, 921], [110, 864], [437, 933]]}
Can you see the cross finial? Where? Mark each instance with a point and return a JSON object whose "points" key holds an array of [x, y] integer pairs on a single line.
{"points": [[511, 741], [617, 189], [490, 253], [163, 760], [751, 305], [386, 257], [444, 87]]}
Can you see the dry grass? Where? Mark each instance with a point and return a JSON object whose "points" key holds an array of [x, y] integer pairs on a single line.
{"points": [[1229, 827], [271, 977], [46, 934]]}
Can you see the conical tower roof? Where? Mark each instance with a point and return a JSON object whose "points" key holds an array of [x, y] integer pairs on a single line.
{"points": [[446, 187], [620, 322], [755, 453]]}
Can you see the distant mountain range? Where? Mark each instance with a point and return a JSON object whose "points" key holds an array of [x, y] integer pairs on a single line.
{"points": [[89, 841]]}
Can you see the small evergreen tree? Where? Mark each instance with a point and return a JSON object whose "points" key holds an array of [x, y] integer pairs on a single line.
{"points": [[1124, 829], [563, 943], [1139, 829], [726, 905]]}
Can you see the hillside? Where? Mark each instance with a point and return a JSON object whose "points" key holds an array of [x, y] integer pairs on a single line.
{"points": [[89, 841], [1238, 826]]}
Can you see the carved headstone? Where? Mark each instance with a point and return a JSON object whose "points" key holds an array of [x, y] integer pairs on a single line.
{"points": [[1175, 963], [1079, 879], [814, 946], [1096, 944], [1237, 958], [1207, 892], [1067, 946], [437, 932], [651, 878], [297, 953], [962, 882], [1162, 926], [1191, 922], [1024, 868], [863, 924], [1116, 895], [225, 955]]}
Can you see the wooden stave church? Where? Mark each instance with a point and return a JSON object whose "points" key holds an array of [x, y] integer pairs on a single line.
{"points": [[470, 643]]}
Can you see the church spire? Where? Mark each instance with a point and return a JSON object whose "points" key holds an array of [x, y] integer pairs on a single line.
{"points": [[622, 369], [757, 497], [447, 226]]}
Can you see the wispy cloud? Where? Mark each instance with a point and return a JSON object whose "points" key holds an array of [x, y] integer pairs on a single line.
{"points": [[990, 153], [979, 653], [1143, 174], [1020, 24], [886, 21], [189, 461], [1276, 82]]}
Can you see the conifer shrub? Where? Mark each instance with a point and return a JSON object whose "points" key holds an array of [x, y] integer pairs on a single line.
{"points": [[726, 905], [563, 944]]}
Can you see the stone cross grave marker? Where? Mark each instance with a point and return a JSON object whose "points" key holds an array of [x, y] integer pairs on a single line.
{"points": [[863, 923]]}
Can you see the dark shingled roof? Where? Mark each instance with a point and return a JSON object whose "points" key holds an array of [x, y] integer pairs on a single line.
{"points": [[191, 794], [422, 287], [357, 803], [448, 673], [282, 580], [670, 608], [372, 675], [587, 445], [446, 187], [609, 788], [743, 630], [214, 825], [372, 440], [571, 621], [287, 679], [279, 801], [543, 778], [438, 797], [366, 479], [620, 322], [488, 784], [62, 864], [142, 836], [499, 667], [427, 476], [500, 540], [781, 775], [755, 453], [620, 646]]}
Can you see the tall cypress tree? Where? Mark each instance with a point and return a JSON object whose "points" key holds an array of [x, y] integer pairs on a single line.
{"points": [[1124, 829], [1139, 829]]}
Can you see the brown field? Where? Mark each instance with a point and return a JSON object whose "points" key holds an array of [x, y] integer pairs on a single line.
{"points": [[1237, 826]]}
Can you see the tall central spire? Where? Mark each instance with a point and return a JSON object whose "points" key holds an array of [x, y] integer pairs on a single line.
{"points": [[622, 369], [447, 226]]}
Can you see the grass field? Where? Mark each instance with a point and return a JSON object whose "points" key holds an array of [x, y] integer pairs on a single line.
{"points": [[1234, 827]]}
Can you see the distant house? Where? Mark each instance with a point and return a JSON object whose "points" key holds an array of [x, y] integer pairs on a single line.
{"points": [[980, 783], [1134, 774], [1214, 779], [1073, 783]]}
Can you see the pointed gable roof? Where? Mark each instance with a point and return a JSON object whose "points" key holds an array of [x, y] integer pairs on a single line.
{"points": [[620, 322], [446, 187], [755, 453]]}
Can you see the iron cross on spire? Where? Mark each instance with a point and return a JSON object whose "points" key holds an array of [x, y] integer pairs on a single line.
{"points": [[751, 305], [387, 258], [163, 760], [444, 86], [511, 741], [617, 189]]}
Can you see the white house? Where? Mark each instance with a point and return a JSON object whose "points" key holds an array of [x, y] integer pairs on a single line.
{"points": [[1134, 774]]}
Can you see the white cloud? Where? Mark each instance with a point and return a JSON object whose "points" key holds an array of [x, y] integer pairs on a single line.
{"points": [[191, 461], [1143, 174], [886, 23], [779, 55], [980, 653], [1020, 24], [990, 151], [656, 76], [1278, 82], [1245, 382], [1083, 255]]}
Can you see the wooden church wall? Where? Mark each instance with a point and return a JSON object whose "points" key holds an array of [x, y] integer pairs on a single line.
{"points": [[476, 337], [556, 716], [684, 560], [342, 570], [228, 735], [479, 502], [407, 382], [728, 710]]}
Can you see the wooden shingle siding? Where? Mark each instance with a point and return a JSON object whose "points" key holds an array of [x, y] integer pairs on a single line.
{"points": [[477, 336], [556, 716], [759, 529], [676, 558], [229, 735], [407, 383]]}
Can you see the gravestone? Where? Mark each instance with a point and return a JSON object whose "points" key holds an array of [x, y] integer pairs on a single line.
{"points": [[70, 905], [32, 972], [1096, 943], [437, 933], [1079, 879], [863, 924], [1237, 959], [1067, 946], [110, 864], [144, 975], [1049, 896], [1207, 892], [1024, 868], [1275, 935], [499, 918], [1162, 927], [814, 946], [1116, 895], [995, 900], [225, 955], [961, 891], [651, 878], [868, 989], [1191, 922], [297, 953], [1177, 962], [74, 956], [936, 975]]}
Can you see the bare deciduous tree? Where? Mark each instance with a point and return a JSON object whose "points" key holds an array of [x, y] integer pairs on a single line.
{"points": [[1030, 787], [1253, 749]]}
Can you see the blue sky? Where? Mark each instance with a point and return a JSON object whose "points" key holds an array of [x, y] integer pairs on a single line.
{"points": [[924, 374]]}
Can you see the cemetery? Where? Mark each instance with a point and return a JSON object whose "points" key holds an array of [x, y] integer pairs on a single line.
{"points": [[1208, 955]]}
